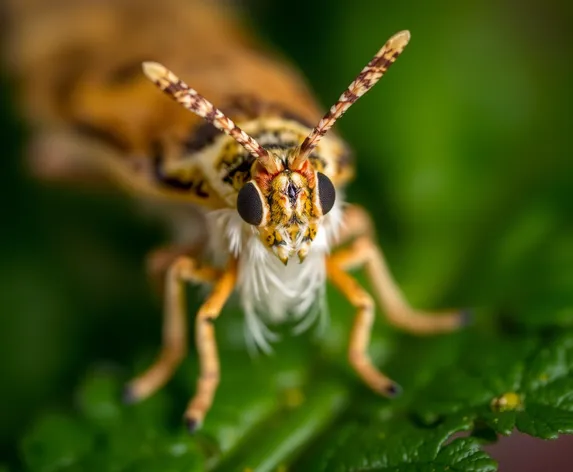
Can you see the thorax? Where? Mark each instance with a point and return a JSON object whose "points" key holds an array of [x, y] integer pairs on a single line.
{"points": [[220, 166]]}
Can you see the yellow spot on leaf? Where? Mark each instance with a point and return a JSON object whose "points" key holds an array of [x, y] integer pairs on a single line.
{"points": [[509, 401], [293, 397]]}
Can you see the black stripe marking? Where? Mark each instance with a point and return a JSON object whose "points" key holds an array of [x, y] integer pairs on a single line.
{"points": [[173, 182], [125, 73], [100, 134], [241, 108], [202, 136]]}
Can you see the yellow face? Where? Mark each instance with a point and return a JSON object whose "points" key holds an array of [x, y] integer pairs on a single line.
{"points": [[287, 208]]}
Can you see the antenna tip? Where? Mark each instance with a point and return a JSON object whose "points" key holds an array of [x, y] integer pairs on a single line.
{"points": [[153, 70], [400, 39]]}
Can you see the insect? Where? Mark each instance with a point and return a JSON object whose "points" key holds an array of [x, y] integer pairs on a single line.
{"points": [[262, 178]]}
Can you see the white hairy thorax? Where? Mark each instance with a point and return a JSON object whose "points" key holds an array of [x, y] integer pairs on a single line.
{"points": [[271, 292]]}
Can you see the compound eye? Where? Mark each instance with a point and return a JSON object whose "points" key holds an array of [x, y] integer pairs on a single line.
{"points": [[250, 205], [326, 193]]}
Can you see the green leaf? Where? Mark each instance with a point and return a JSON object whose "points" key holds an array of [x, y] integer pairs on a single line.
{"points": [[285, 434], [463, 161], [56, 442], [399, 445], [462, 454], [525, 383]]}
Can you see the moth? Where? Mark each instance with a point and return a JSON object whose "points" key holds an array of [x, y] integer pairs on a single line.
{"points": [[261, 178]]}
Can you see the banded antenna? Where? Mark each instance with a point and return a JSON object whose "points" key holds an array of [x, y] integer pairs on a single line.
{"points": [[367, 78], [173, 86]]}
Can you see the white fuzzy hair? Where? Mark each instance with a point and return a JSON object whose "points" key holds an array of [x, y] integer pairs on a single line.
{"points": [[270, 292]]}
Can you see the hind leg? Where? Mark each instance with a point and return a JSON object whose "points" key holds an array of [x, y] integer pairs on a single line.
{"points": [[364, 252]]}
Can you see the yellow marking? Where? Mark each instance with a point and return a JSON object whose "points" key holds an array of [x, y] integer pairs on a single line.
{"points": [[267, 237], [293, 397], [293, 231], [312, 230], [509, 401]]}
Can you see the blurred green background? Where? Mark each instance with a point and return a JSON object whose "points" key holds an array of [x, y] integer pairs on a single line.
{"points": [[463, 158]]}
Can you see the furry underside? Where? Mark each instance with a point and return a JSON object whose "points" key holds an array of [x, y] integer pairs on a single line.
{"points": [[270, 292]]}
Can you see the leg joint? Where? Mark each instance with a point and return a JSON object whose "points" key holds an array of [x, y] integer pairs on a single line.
{"points": [[364, 245], [182, 267], [364, 302], [207, 315]]}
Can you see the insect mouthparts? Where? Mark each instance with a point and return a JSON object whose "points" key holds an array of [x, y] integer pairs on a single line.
{"points": [[292, 193]]}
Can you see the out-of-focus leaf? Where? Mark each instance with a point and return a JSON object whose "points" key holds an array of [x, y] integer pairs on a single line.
{"points": [[56, 442]]}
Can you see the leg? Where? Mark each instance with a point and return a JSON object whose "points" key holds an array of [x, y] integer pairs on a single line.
{"points": [[360, 334], [159, 261], [356, 222], [174, 328], [207, 348], [364, 252]]}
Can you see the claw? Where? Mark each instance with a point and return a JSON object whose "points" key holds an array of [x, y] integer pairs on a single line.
{"points": [[283, 254]]}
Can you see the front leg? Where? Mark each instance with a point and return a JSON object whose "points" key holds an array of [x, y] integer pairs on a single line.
{"points": [[207, 347], [361, 329], [364, 252], [182, 270]]}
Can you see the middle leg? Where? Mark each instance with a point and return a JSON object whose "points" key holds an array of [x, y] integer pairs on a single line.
{"points": [[363, 251]]}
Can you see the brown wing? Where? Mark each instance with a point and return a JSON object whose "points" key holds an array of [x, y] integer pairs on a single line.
{"points": [[79, 67]]}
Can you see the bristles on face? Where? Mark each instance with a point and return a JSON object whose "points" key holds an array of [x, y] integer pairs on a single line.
{"points": [[367, 78], [193, 101]]}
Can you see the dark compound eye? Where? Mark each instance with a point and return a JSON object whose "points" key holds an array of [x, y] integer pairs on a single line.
{"points": [[249, 204], [326, 193]]}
